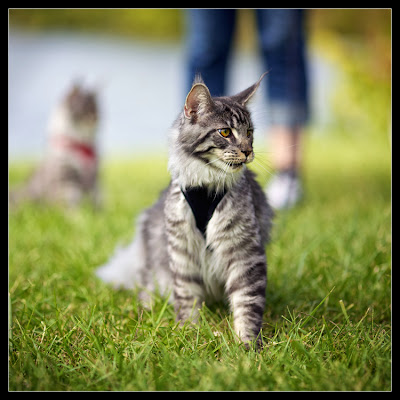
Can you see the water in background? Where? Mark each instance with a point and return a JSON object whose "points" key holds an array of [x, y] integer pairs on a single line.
{"points": [[140, 85]]}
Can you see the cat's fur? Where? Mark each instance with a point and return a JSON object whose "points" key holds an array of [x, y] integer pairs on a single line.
{"points": [[226, 259], [69, 170]]}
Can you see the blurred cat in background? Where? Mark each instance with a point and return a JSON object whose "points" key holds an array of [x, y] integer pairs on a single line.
{"points": [[69, 170]]}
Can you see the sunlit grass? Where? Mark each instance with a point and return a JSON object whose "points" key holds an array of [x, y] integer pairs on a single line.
{"points": [[328, 313]]}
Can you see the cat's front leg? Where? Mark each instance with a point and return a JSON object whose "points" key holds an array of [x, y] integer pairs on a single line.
{"points": [[246, 291], [188, 296]]}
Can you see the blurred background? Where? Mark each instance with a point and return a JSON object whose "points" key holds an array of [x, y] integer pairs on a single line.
{"points": [[136, 59]]}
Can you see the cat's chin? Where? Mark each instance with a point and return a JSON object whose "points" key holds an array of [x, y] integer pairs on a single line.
{"points": [[236, 167], [228, 165]]}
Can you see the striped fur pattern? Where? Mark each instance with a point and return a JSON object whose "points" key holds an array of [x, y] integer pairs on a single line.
{"points": [[228, 261]]}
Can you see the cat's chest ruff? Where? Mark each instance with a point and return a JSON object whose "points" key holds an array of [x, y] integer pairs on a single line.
{"points": [[202, 205]]}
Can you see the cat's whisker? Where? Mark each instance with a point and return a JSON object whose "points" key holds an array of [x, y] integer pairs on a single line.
{"points": [[220, 176], [226, 173], [265, 162], [212, 161], [264, 151], [265, 169]]}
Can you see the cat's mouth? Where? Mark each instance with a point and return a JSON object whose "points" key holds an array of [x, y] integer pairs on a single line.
{"points": [[236, 165]]}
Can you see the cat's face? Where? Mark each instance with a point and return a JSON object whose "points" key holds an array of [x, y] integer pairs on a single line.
{"points": [[225, 135], [81, 104], [76, 116], [213, 138]]}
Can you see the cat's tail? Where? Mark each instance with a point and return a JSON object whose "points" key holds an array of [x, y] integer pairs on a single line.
{"points": [[123, 268]]}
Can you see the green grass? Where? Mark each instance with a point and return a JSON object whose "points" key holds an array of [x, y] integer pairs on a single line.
{"points": [[327, 324]]}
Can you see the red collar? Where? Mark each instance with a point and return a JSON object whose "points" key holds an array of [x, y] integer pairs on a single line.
{"points": [[85, 150]]}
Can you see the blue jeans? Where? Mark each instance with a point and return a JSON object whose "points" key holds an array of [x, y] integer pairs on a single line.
{"points": [[282, 45]]}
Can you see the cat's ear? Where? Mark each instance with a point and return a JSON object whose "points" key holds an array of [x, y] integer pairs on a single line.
{"points": [[197, 101], [244, 96]]}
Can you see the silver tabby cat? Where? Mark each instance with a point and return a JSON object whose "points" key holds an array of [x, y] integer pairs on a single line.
{"points": [[204, 239]]}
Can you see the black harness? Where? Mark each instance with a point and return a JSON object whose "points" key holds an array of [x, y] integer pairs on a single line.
{"points": [[202, 204]]}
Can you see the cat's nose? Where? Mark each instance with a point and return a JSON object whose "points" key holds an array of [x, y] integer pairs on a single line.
{"points": [[246, 152]]}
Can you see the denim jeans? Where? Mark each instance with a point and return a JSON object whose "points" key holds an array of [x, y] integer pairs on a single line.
{"points": [[282, 45]]}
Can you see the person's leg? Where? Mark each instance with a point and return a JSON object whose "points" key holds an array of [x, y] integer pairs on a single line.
{"points": [[286, 145], [284, 190], [209, 38], [282, 42]]}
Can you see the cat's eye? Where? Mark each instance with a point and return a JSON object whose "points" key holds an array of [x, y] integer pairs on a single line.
{"points": [[249, 132], [225, 132]]}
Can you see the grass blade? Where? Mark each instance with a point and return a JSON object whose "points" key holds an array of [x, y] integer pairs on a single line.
{"points": [[316, 308]]}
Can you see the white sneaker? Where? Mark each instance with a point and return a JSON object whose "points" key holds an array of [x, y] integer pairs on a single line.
{"points": [[284, 190]]}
